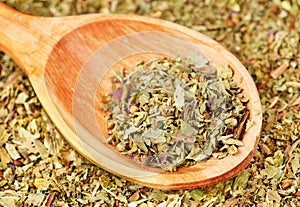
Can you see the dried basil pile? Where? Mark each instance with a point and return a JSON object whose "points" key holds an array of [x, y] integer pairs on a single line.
{"points": [[172, 112]]}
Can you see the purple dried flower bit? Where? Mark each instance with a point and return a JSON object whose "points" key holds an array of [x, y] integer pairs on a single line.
{"points": [[117, 94]]}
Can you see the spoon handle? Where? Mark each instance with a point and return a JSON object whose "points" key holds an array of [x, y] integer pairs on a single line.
{"points": [[29, 40], [19, 37]]}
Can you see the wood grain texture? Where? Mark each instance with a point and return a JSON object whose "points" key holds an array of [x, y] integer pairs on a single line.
{"points": [[63, 60]]}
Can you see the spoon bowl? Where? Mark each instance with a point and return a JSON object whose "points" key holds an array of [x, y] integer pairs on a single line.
{"points": [[69, 61]]}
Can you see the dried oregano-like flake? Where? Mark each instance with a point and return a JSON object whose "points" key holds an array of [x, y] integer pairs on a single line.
{"points": [[173, 112]]}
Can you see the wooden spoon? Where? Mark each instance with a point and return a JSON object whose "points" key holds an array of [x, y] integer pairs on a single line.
{"points": [[69, 62]]}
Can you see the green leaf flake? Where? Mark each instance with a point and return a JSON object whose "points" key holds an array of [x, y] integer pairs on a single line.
{"points": [[179, 96], [295, 164], [21, 98], [241, 181], [187, 129], [224, 72], [198, 59]]}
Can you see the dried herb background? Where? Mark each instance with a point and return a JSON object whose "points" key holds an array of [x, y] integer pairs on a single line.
{"points": [[38, 167]]}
